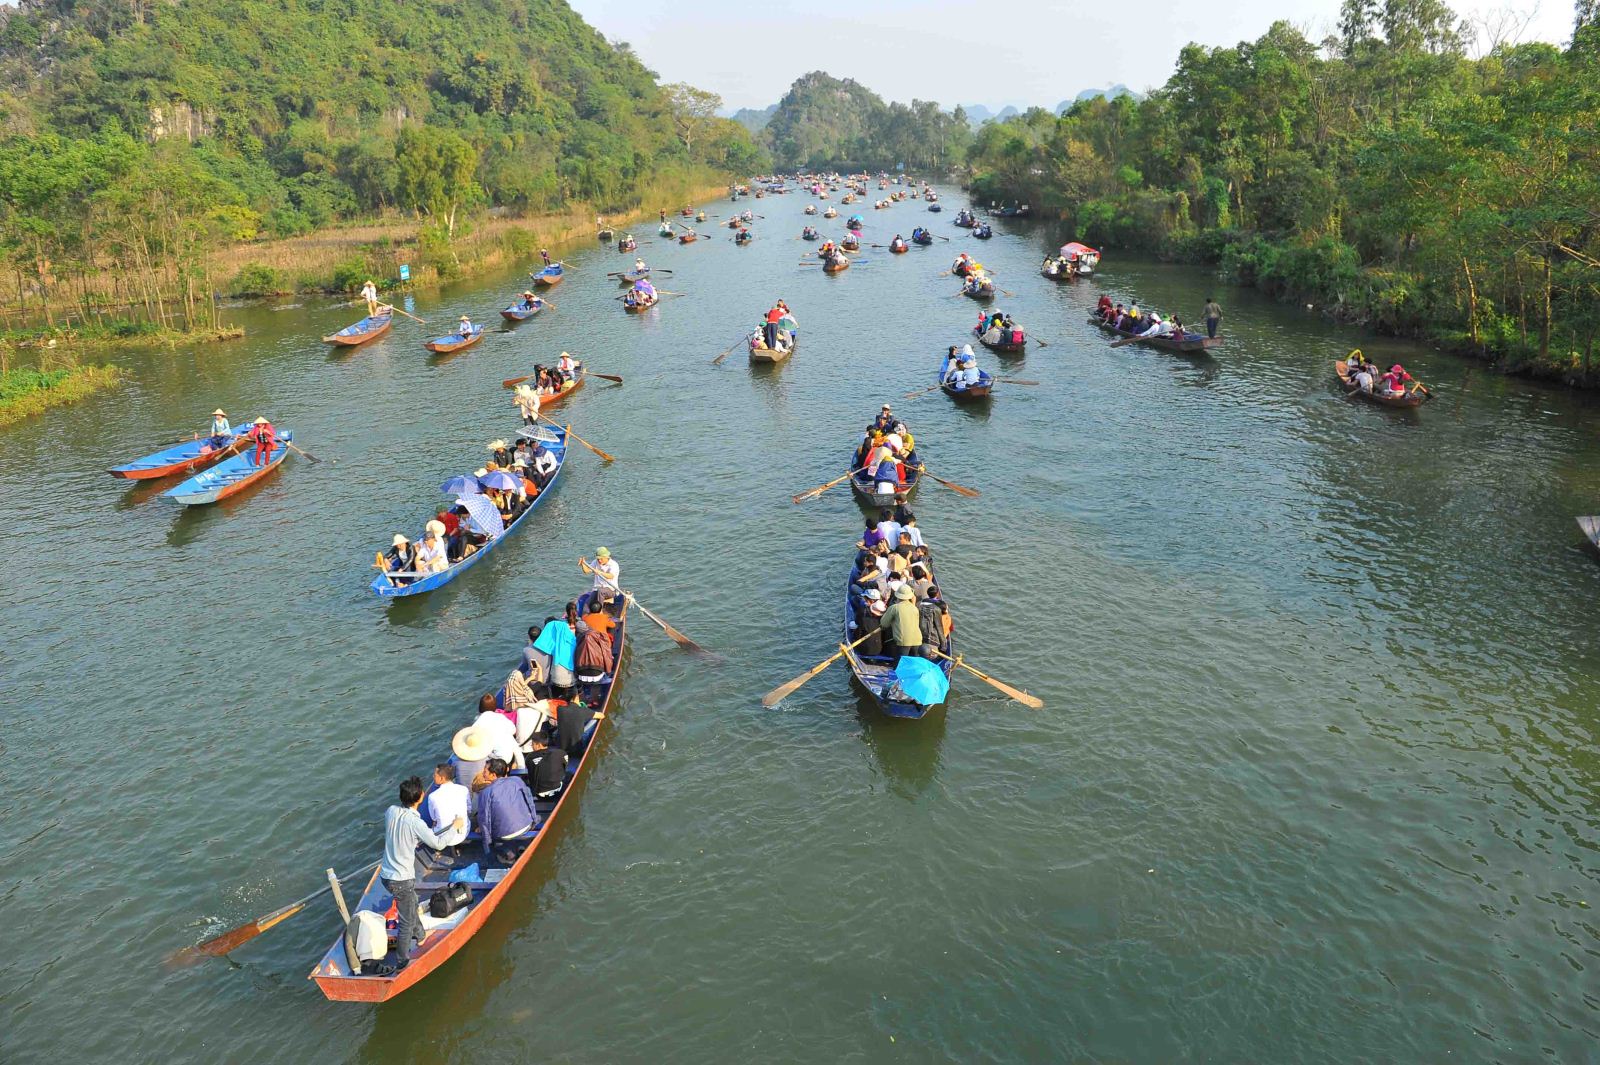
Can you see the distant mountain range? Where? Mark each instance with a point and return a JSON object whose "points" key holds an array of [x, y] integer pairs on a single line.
{"points": [[753, 120], [978, 114]]}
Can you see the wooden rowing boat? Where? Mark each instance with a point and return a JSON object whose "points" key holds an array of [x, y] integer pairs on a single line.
{"points": [[604, 236], [630, 277], [760, 353], [834, 266], [1590, 524], [187, 457], [983, 291], [550, 275], [687, 238], [876, 673], [865, 486], [333, 975], [454, 342], [519, 313], [363, 332], [1409, 400], [386, 587], [1003, 347], [969, 393], [1191, 344], [230, 476], [638, 306], [899, 249]]}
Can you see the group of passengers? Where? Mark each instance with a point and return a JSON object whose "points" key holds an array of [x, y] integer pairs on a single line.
{"points": [[1363, 373], [513, 758], [778, 330], [960, 368], [886, 451], [895, 606], [1134, 322], [996, 327], [510, 481], [543, 382]]}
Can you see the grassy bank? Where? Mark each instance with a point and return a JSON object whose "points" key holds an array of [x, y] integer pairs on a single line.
{"points": [[340, 260], [116, 333], [26, 392]]}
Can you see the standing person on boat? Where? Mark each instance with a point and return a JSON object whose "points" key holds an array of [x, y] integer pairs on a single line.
{"points": [[903, 625], [221, 431], [369, 292], [266, 438], [1103, 308], [527, 401], [639, 267], [403, 829], [607, 575], [769, 332], [545, 255], [788, 323], [505, 807], [1212, 314]]}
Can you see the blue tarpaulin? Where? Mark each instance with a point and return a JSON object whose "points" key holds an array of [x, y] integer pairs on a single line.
{"points": [[922, 680]]}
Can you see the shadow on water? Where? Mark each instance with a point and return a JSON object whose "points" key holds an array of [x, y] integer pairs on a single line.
{"points": [[143, 492], [907, 751]]}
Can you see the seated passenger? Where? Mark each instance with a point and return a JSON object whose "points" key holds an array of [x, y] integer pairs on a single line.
{"points": [[448, 806], [401, 558], [547, 768], [431, 555], [505, 808]]}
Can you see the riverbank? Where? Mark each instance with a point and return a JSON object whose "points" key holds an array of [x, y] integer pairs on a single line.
{"points": [[341, 260], [26, 392]]}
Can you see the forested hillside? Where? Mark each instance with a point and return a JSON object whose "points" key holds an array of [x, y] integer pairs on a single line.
{"points": [[823, 121], [1381, 174], [175, 124]]}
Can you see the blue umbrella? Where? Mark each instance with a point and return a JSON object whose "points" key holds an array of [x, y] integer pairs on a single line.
{"points": [[922, 681], [460, 486], [484, 514], [501, 480]]}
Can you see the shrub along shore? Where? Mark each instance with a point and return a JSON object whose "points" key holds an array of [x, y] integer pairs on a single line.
{"points": [[26, 392]]}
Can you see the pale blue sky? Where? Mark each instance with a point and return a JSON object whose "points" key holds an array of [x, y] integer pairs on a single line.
{"points": [[1008, 51]]}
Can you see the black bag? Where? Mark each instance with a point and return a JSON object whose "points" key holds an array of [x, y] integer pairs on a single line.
{"points": [[448, 900]]}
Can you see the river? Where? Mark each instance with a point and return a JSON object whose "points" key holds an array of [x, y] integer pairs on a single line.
{"points": [[1315, 780]]}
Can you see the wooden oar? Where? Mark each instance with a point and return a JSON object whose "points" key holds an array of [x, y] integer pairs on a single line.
{"points": [[578, 438], [677, 637], [922, 392], [603, 376], [234, 938], [817, 491], [1015, 381], [1020, 696], [408, 314], [718, 360], [783, 691], [291, 446], [958, 488], [1039, 342]]}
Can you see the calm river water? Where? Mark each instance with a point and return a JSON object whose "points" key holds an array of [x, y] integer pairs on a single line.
{"points": [[1316, 779]]}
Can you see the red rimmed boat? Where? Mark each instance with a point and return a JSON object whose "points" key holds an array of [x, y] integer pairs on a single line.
{"points": [[187, 457], [363, 332], [454, 342], [333, 974]]}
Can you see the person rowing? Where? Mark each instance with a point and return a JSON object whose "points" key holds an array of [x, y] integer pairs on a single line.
{"points": [[530, 302], [465, 327], [221, 431], [897, 244], [639, 266], [1394, 382]]}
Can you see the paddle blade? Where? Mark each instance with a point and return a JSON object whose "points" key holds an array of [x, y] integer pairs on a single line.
{"points": [[605, 376], [513, 382], [232, 939], [1020, 696]]}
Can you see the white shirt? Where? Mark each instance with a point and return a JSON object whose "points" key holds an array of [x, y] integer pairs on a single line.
{"points": [[970, 377], [607, 569], [431, 556], [545, 462], [369, 291], [889, 529], [446, 802], [915, 534], [528, 403], [894, 442], [504, 732], [566, 365]]}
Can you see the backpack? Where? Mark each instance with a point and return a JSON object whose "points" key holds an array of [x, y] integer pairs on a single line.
{"points": [[365, 939]]}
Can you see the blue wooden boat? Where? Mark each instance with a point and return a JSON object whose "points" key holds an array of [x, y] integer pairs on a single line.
{"points": [[442, 939], [517, 312], [875, 673], [363, 332], [550, 275], [455, 341], [969, 393], [385, 586], [187, 457], [231, 476], [935, 207]]}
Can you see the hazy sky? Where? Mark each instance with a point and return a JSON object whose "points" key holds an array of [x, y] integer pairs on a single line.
{"points": [[1006, 52]]}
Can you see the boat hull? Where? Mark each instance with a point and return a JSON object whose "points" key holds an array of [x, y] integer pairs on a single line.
{"points": [[354, 336], [332, 974], [385, 588], [863, 485], [189, 457], [1192, 345], [876, 677], [447, 345], [970, 393], [230, 477]]}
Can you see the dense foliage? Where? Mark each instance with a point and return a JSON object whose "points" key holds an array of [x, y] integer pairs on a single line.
{"points": [[1382, 174], [824, 122], [138, 130]]}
